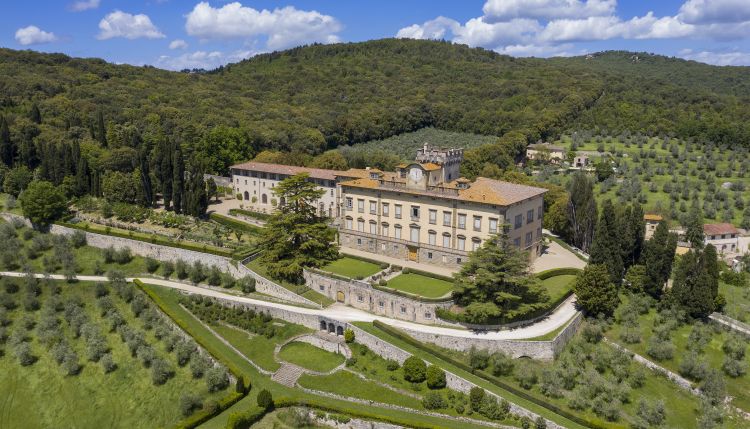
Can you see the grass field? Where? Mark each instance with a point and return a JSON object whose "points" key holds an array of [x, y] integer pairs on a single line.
{"points": [[558, 286], [347, 384], [258, 348], [40, 396], [352, 268], [739, 388], [310, 357], [418, 284], [738, 301]]}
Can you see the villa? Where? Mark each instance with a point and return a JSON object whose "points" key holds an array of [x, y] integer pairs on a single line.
{"points": [[723, 236]]}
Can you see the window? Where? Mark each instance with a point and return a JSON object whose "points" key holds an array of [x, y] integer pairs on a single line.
{"points": [[322, 288], [360, 298], [348, 203], [428, 315], [385, 209], [529, 238], [403, 309], [539, 233], [447, 218], [414, 234], [415, 212], [461, 221], [349, 223], [384, 230], [382, 247], [361, 206], [458, 261], [397, 231], [360, 225], [446, 240], [429, 255], [493, 226], [398, 211], [433, 216], [519, 221], [432, 237], [381, 304], [477, 223], [475, 243], [373, 228], [359, 241], [517, 242], [539, 212], [373, 207], [461, 243], [530, 216], [445, 259]]}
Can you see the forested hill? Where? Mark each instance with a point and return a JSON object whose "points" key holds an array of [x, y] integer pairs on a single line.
{"points": [[316, 97]]}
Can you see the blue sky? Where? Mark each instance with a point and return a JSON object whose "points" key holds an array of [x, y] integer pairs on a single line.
{"points": [[178, 34]]}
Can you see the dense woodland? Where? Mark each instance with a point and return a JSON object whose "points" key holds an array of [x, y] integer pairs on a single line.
{"points": [[87, 124]]}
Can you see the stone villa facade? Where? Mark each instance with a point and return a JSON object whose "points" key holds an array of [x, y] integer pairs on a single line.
{"points": [[423, 212]]}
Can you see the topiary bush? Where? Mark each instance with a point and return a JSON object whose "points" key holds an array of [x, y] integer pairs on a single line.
{"points": [[435, 377], [414, 369], [265, 400], [349, 336]]}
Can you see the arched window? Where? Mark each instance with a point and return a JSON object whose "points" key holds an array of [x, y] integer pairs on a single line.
{"points": [[446, 240], [264, 199], [247, 195], [475, 243], [349, 222]]}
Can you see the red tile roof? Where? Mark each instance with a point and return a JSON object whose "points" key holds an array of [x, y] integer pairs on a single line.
{"points": [[290, 170], [719, 229]]}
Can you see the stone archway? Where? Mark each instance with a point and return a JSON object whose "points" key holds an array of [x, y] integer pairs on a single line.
{"points": [[339, 330], [323, 325], [340, 297], [331, 328]]}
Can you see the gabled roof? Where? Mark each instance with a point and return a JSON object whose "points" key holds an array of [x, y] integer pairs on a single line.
{"points": [[719, 229], [290, 170]]}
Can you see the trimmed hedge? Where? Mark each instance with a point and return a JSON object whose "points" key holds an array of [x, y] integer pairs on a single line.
{"points": [[483, 375], [202, 417], [245, 419], [250, 213], [235, 224], [554, 272]]}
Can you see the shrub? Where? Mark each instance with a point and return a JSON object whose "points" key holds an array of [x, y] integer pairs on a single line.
{"points": [[151, 265], [108, 364], [189, 403], [525, 375], [246, 284], [198, 365], [733, 367], [197, 274], [540, 423], [240, 386], [349, 336], [265, 400], [109, 254], [592, 332], [70, 365], [214, 276], [181, 269], [101, 290], [414, 369], [478, 359], [734, 346], [161, 371], [123, 256], [22, 350], [692, 367], [651, 414], [660, 349], [217, 379], [476, 396], [146, 355], [392, 365], [502, 364], [167, 268], [713, 387], [435, 377], [78, 239], [184, 350], [433, 401]]}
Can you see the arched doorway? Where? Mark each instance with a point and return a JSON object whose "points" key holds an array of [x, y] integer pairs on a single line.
{"points": [[323, 325], [331, 328], [340, 296], [264, 199], [339, 330], [247, 195]]}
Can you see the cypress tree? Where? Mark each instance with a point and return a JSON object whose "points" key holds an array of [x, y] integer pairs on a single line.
{"points": [[696, 282], [657, 258], [195, 198], [145, 178], [582, 211], [694, 227], [178, 178], [637, 232], [164, 171], [606, 248], [82, 178], [595, 293], [101, 133], [7, 147], [35, 115]]}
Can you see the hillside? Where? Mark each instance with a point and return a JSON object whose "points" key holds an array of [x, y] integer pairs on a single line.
{"points": [[316, 97]]}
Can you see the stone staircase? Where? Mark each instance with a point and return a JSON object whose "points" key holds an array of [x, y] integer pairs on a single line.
{"points": [[287, 374]]}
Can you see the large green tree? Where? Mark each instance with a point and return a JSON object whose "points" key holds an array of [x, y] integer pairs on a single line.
{"points": [[120, 187], [657, 258], [7, 147], [16, 180], [696, 282], [296, 235], [582, 211], [694, 227], [495, 280], [607, 245], [42, 203], [596, 294]]}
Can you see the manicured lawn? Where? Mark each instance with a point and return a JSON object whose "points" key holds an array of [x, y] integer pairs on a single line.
{"points": [[41, 396], [738, 388], [258, 348], [558, 286], [300, 290], [310, 357], [352, 268], [347, 384], [418, 284], [738, 301]]}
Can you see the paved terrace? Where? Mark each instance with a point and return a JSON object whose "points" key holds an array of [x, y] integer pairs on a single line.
{"points": [[343, 313]]}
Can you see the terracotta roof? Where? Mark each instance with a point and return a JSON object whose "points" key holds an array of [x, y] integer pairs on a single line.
{"points": [[430, 166], [402, 166], [653, 217], [719, 229], [290, 170], [483, 190]]}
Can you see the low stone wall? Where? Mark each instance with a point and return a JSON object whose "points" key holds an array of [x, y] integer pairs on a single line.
{"points": [[299, 317], [264, 285], [389, 351], [731, 324], [542, 350], [363, 296], [327, 345]]}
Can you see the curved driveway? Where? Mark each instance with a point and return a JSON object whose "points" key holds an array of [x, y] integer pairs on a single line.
{"points": [[343, 313]]}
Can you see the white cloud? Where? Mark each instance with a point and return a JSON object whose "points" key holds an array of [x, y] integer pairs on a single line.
{"points": [[564, 50], [717, 58], [476, 32], [122, 24], [178, 44], [609, 27], [433, 29], [505, 10], [284, 27], [82, 5], [714, 11], [203, 59], [33, 35]]}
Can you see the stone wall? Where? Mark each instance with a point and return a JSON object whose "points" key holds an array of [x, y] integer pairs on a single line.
{"points": [[542, 350], [363, 296], [399, 249], [297, 316], [268, 287]]}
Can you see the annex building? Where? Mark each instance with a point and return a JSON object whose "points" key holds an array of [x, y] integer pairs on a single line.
{"points": [[423, 212]]}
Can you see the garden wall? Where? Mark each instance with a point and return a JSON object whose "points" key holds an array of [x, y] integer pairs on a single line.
{"points": [[363, 296]]}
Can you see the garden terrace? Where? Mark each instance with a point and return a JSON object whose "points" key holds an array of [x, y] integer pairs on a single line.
{"points": [[55, 320], [300, 289], [421, 285], [353, 268], [310, 357]]}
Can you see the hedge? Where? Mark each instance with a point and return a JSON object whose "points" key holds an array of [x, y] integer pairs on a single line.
{"points": [[154, 239], [245, 419], [483, 375], [236, 224], [250, 213], [362, 258], [554, 272], [202, 417]]}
